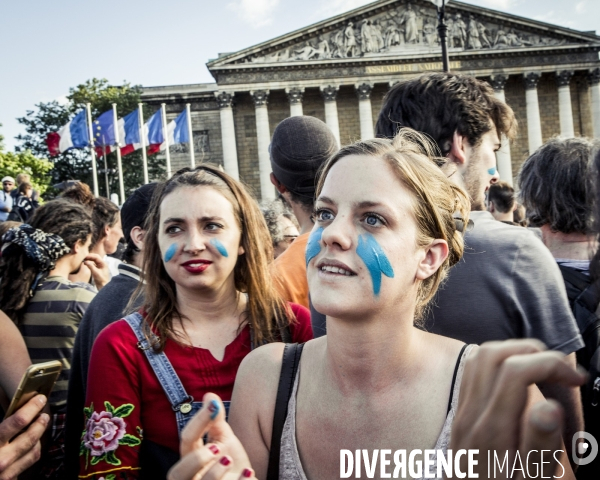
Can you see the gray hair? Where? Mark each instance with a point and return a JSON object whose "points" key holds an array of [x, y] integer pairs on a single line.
{"points": [[272, 211], [556, 185]]}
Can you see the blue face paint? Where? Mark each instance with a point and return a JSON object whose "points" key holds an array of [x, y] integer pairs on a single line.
{"points": [[170, 253], [313, 246], [375, 259], [492, 171], [220, 247]]}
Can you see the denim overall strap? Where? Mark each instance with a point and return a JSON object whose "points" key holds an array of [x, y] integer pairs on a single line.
{"points": [[182, 404]]}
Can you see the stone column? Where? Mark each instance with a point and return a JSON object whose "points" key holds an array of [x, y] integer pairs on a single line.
{"points": [[534, 125], [594, 80], [230, 160], [295, 97], [565, 110], [329, 93], [503, 158], [363, 91], [263, 134]]}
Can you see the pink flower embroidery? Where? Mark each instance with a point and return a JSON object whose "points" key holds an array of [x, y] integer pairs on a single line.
{"points": [[103, 432]]}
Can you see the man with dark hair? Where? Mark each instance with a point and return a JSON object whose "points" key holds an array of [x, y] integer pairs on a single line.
{"points": [[501, 202], [558, 190], [108, 306], [299, 148], [507, 285]]}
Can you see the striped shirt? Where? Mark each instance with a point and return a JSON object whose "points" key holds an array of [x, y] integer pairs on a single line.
{"points": [[50, 324]]}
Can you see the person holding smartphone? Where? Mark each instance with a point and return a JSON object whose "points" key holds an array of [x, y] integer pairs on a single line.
{"points": [[36, 294], [19, 448]]}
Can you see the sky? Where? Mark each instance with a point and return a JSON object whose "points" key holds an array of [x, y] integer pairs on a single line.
{"points": [[48, 47]]}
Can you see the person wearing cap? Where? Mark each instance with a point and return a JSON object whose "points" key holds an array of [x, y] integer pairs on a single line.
{"points": [[108, 306], [299, 147], [6, 200]]}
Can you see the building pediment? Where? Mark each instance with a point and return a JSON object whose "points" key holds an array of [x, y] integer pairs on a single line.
{"points": [[395, 29]]}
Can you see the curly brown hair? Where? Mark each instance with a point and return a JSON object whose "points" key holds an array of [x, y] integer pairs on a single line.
{"points": [[104, 212], [267, 312], [439, 104]]}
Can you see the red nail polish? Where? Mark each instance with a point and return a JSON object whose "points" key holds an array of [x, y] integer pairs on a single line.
{"points": [[247, 473], [214, 449], [225, 461]]}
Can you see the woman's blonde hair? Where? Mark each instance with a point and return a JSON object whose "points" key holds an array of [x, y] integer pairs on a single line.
{"points": [[267, 313], [441, 208]]}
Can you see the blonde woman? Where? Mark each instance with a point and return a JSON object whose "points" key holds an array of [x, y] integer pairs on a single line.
{"points": [[388, 226]]}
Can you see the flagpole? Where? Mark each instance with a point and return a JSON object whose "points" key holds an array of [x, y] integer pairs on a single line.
{"points": [[163, 113], [190, 134], [143, 142], [119, 167], [92, 151], [105, 171]]}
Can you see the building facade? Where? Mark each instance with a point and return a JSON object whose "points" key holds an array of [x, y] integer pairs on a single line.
{"points": [[339, 70]]}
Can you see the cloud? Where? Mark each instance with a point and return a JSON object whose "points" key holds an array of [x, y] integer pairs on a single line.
{"points": [[581, 7], [257, 13]]}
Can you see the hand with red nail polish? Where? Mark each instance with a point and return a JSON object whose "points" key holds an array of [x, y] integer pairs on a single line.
{"points": [[223, 458]]}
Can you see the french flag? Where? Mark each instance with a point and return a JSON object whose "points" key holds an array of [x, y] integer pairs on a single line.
{"points": [[73, 135], [177, 132]]}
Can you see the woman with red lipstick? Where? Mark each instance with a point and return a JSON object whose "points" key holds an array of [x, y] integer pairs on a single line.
{"points": [[209, 300]]}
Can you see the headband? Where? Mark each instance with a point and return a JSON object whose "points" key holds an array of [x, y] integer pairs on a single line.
{"points": [[42, 248]]}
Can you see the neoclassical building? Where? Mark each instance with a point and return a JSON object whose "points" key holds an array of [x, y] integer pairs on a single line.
{"points": [[339, 69]]}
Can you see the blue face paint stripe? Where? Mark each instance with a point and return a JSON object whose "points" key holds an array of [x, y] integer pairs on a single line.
{"points": [[313, 246], [220, 247], [369, 250], [170, 253], [492, 171]]}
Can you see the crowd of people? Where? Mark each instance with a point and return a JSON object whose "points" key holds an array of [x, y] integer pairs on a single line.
{"points": [[396, 295]]}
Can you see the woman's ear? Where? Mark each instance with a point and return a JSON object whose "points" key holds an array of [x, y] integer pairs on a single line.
{"points": [[241, 250], [435, 255], [77, 247]]}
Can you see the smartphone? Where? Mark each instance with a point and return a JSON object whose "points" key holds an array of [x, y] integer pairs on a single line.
{"points": [[38, 378]]}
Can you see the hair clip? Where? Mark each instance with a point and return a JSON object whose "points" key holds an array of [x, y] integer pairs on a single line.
{"points": [[460, 226]]}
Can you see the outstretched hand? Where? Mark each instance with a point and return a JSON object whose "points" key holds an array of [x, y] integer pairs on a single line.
{"points": [[98, 268], [491, 414], [23, 451], [222, 458]]}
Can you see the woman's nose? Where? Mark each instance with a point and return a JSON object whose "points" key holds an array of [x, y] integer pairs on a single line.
{"points": [[340, 232]]}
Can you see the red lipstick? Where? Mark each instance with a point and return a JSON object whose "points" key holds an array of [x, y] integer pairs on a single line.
{"points": [[196, 266]]}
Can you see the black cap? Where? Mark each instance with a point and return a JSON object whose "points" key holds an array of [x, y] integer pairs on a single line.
{"points": [[299, 147], [135, 208]]}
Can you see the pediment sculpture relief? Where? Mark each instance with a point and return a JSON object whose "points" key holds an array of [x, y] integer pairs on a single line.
{"points": [[408, 29]]}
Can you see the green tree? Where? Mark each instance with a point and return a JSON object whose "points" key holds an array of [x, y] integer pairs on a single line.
{"points": [[25, 162], [76, 163]]}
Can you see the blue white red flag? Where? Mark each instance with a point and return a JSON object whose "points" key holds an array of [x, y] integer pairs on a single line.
{"points": [[73, 135]]}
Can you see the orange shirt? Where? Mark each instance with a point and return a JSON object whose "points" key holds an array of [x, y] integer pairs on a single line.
{"points": [[290, 272]]}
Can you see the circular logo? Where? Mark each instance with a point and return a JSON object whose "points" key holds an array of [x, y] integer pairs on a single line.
{"points": [[584, 448]]}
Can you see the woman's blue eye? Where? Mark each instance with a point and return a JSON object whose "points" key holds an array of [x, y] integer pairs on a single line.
{"points": [[324, 215], [374, 220]]}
